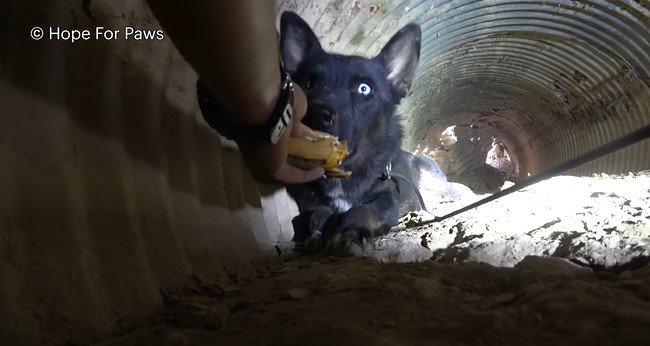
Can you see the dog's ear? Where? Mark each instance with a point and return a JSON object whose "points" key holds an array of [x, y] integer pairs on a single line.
{"points": [[297, 41], [401, 56]]}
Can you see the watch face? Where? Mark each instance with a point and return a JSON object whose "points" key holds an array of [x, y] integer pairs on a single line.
{"points": [[282, 123]]}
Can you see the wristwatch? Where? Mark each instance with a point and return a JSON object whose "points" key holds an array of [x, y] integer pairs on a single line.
{"points": [[271, 130]]}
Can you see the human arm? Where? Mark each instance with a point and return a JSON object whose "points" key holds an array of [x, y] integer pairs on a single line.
{"points": [[233, 47]]}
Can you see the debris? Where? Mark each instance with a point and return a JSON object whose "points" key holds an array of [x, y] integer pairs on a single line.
{"points": [[425, 241], [298, 293]]}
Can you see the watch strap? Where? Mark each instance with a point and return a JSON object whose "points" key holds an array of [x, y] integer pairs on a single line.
{"points": [[271, 130]]}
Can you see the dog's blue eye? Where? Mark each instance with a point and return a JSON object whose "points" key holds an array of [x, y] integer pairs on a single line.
{"points": [[364, 89]]}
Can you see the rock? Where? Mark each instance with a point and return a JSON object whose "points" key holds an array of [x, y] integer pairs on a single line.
{"points": [[298, 293]]}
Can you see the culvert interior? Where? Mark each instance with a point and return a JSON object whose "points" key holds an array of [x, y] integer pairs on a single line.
{"points": [[113, 189], [547, 79]]}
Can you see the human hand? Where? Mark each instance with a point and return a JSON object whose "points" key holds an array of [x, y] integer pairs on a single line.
{"points": [[268, 163]]}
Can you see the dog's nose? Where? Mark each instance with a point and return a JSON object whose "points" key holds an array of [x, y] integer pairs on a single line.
{"points": [[323, 115]]}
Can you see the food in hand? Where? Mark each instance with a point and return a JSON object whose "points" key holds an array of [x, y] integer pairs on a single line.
{"points": [[319, 148]]}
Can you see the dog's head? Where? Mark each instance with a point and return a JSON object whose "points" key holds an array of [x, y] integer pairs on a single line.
{"points": [[351, 97]]}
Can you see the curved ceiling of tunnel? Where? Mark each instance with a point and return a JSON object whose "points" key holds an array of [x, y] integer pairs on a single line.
{"points": [[550, 79]]}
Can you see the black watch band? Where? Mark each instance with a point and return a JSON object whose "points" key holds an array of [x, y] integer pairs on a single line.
{"points": [[271, 130]]}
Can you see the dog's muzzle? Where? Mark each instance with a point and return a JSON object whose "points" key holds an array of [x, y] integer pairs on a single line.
{"points": [[320, 117]]}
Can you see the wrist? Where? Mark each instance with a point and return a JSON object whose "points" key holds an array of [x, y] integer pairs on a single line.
{"points": [[257, 109], [266, 123]]}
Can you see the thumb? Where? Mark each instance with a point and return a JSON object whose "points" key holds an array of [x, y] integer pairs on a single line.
{"points": [[299, 110]]}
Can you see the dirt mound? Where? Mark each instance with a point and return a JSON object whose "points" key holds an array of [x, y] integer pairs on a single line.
{"points": [[601, 221]]}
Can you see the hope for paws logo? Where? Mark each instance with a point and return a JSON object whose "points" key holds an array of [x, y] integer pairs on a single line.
{"points": [[55, 33]]}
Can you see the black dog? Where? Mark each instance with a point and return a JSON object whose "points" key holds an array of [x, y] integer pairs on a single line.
{"points": [[355, 99]]}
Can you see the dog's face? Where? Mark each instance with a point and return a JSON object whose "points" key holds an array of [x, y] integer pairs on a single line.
{"points": [[351, 97]]}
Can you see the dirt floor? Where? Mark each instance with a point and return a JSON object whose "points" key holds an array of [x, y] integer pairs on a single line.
{"points": [[601, 221], [564, 262], [362, 302]]}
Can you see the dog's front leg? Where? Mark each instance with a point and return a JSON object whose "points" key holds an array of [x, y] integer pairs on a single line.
{"points": [[309, 226], [363, 222]]}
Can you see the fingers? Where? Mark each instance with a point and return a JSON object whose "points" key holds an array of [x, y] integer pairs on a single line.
{"points": [[304, 163], [292, 175], [268, 164], [299, 130]]}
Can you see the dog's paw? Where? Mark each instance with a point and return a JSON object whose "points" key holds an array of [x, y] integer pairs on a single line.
{"points": [[314, 243], [311, 245], [350, 234], [320, 218], [354, 234], [359, 219], [349, 243], [309, 226]]}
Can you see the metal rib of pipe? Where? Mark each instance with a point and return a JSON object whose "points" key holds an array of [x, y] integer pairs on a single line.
{"points": [[551, 79]]}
